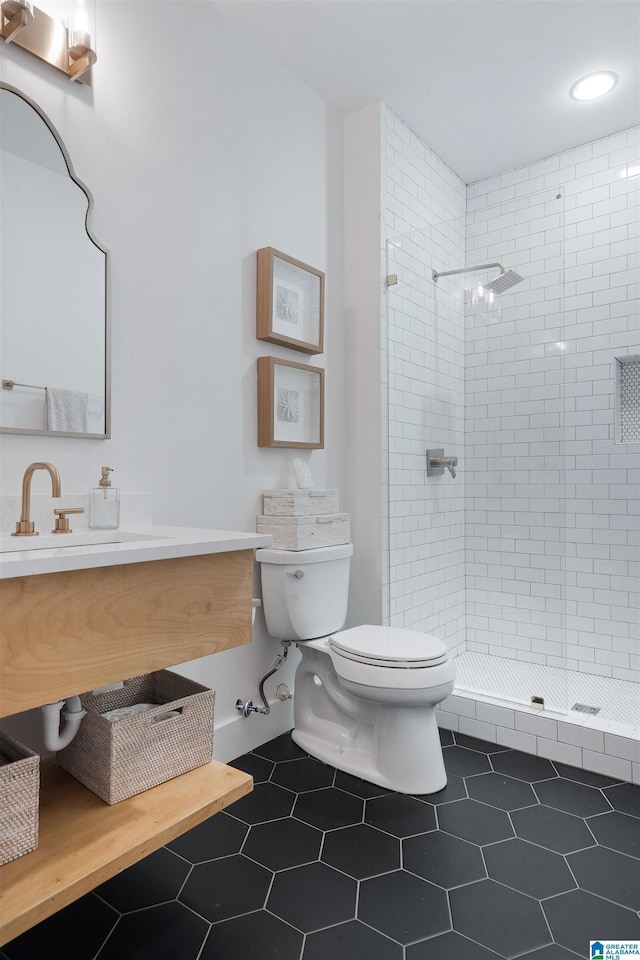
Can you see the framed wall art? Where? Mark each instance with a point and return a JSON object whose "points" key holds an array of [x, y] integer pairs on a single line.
{"points": [[290, 302], [290, 404]]}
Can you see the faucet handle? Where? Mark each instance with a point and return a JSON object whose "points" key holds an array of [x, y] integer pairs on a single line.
{"points": [[62, 524]]}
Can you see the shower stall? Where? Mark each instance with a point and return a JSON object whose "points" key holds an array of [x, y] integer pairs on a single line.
{"points": [[504, 350]]}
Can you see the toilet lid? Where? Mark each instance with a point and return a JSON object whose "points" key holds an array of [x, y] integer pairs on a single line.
{"points": [[389, 646]]}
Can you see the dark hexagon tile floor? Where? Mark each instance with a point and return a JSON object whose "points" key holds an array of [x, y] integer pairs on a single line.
{"points": [[348, 940], [528, 868], [328, 897], [219, 836], [504, 920], [305, 774], [500, 791], [573, 798], [572, 915], [443, 859], [624, 797], [400, 815], [465, 762], [617, 831], [86, 924], [403, 906], [156, 879], [450, 946], [361, 851], [476, 822], [170, 931], [552, 829], [258, 767], [608, 874], [523, 766], [255, 935], [454, 790], [226, 888], [329, 808], [279, 844], [518, 856]]}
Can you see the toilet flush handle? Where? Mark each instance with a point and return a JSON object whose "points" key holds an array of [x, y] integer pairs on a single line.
{"points": [[298, 574]]}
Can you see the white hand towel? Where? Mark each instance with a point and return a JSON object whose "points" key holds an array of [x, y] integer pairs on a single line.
{"points": [[67, 410]]}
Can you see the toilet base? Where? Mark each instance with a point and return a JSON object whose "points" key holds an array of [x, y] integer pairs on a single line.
{"points": [[365, 765], [391, 744]]}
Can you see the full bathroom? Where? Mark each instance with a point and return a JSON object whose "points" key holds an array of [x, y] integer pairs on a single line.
{"points": [[481, 383]]}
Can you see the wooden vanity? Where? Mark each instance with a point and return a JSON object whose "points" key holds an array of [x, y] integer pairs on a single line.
{"points": [[72, 630]]}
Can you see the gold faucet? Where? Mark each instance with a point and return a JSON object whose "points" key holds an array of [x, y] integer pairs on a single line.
{"points": [[25, 527]]}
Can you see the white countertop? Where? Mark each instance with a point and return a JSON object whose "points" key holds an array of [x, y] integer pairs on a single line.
{"points": [[56, 553]]}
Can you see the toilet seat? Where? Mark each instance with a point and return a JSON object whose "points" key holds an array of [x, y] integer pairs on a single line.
{"points": [[389, 647]]}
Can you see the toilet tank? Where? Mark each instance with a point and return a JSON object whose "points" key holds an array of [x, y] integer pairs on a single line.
{"points": [[305, 592]]}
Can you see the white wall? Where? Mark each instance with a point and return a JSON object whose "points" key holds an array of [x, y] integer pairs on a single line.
{"points": [[553, 499], [366, 425], [406, 377], [198, 149]]}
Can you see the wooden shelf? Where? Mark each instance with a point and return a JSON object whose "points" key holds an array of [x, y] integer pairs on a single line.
{"points": [[84, 841]]}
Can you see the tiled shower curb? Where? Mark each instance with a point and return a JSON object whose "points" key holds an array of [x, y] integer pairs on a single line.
{"points": [[609, 749]]}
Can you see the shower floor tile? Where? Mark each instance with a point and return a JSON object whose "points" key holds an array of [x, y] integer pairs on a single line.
{"points": [[349, 871], [517, 681]]}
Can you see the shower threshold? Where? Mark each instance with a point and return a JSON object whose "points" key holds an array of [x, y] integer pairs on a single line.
{"points": [[492, 701]]}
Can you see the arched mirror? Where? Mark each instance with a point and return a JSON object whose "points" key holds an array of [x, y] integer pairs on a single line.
{"points": [[54, 275]]}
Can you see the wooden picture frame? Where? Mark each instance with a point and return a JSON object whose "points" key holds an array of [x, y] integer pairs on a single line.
{"points": [[289, 302], [290, 404]]}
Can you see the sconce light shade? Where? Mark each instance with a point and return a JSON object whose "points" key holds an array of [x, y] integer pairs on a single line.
{"points": [[78, 31], [81, 55], [67, 47], [19, 14], [11, 7]]}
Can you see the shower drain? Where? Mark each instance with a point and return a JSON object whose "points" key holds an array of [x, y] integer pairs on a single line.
{"points": [[585, 708]]}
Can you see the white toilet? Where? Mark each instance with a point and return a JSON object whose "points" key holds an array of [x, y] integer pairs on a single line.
{"points": [[365, 698]]}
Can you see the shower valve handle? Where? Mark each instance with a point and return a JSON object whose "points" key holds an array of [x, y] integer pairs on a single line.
{"points": [[436, 462]]}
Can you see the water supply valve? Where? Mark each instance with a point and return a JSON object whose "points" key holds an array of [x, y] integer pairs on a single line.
{"points": [[247, 708]]}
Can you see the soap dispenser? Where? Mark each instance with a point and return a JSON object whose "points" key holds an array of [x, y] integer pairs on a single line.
{"points": [[104, 504]]}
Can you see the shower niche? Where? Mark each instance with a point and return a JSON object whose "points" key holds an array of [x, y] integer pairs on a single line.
{"points": [[627, 372]]}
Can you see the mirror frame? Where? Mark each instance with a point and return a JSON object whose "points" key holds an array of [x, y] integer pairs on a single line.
{"points": [[107, 283]]}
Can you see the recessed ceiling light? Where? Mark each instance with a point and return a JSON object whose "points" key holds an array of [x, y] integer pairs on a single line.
{"points": [[594, 85]]}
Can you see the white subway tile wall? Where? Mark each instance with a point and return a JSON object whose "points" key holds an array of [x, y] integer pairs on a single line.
{"points": [[424, 221], [532, 553], [552, 498]]}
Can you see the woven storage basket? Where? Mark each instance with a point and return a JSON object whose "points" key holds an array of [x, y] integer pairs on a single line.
{"points": [[19, 793], [117, 759]]}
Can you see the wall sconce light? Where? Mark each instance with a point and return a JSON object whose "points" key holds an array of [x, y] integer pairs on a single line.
{"points": [[67, 47]]}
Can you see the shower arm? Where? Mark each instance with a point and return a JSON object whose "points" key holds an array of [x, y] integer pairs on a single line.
{"points": [[480, 266]]}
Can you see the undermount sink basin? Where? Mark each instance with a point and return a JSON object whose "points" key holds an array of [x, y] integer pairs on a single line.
{"points": [[84, 538]]}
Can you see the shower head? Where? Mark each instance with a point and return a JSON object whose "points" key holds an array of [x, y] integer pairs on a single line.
{"points": [[504, 282]]}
